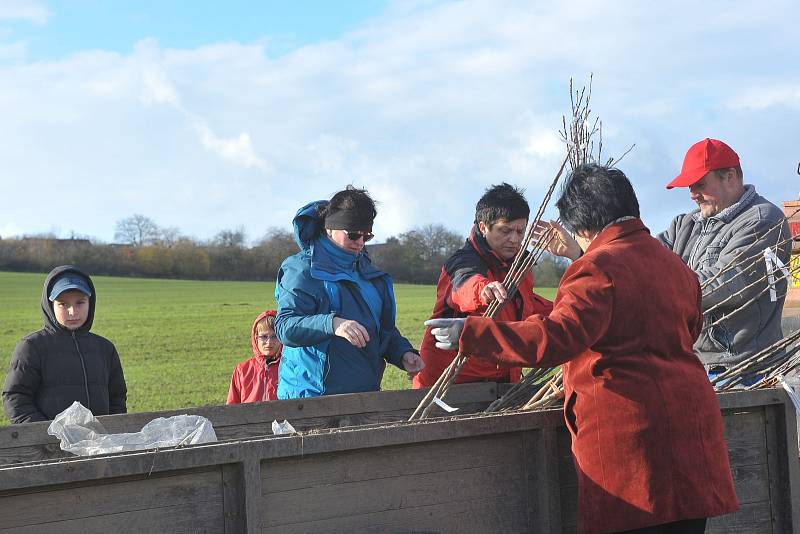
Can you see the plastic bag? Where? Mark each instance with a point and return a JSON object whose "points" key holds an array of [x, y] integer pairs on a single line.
{"points": [[282, 428], [82, 434]]}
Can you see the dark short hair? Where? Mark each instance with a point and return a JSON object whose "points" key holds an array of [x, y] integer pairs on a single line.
{"points": [[353, 200], [503, 201], [595, 195]]}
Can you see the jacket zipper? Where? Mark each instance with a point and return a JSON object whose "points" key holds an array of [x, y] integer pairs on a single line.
{"points": [[83, 368], [266, 376]]}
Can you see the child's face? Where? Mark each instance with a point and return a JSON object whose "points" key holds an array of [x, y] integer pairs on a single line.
{"points": [[268, 342], [71, 309]]}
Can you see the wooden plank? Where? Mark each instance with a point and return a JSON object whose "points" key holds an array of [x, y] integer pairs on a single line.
{"points": [[789, 463], [74, 502], [198, 518], [234, 498], [329, 501], [32, 453], [779, 484], [132, 463], [255, 419], [252, 485], [744, 434], [266, 412], [751, 518], [292, 473], [543, 481], [752, 483], [735, 400], [477, 516]]}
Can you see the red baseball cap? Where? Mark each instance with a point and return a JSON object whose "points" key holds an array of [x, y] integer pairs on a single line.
{"points": [[703, 157]]}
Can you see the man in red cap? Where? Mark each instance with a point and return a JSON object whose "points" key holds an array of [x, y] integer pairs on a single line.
{"points": [[723, 241]]}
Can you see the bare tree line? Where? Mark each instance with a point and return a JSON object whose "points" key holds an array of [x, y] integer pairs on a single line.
{"points": [[144, 248]]}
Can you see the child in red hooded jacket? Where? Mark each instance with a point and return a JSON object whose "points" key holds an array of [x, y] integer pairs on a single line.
{"points": [[256, 379]]}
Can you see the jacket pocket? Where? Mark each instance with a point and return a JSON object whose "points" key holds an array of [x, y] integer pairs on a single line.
{"points": [[715, 339], [711, 255], [569, 414]]}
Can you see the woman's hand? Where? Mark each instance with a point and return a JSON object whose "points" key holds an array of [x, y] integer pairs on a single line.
{"points": [[412, 363], [352, 331], [562, 244], [493, 291]]}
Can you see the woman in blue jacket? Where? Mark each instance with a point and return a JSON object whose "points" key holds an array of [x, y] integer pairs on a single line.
{"points": [[336, 312]]}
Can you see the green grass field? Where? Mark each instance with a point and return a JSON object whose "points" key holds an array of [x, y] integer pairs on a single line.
{"points": [[179, 339]]}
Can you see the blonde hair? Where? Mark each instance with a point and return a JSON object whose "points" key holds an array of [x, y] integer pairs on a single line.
{"points": [[266, 324]]}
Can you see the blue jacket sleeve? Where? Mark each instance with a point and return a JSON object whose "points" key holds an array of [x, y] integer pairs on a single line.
{"points": [[398, 345], [304, 316], [395, 344]]}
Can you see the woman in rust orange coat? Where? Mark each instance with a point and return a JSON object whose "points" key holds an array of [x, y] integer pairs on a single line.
{"points": [[646, 428]]}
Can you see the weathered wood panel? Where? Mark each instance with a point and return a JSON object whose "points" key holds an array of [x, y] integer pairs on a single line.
{"points": [[478, 516], [485, 473], [161, 503], [31, 443], [402, 478]]}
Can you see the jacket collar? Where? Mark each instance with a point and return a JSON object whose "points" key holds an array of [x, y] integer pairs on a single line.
{"points": [[731, 212], [308, 228], [325, 267], [617, 231]]}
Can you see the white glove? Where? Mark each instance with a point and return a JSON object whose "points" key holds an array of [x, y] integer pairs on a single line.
{"points": [[446, 332]]}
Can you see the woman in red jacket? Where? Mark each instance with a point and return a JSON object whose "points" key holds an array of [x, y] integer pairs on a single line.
{"points": [[256, 379], [646, 428]]}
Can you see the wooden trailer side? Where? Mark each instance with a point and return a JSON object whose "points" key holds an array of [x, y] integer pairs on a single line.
{"points": [[31, 443], [486, 473]]}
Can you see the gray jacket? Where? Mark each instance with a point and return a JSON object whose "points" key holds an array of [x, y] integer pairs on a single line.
{"points": [[708, 246]]}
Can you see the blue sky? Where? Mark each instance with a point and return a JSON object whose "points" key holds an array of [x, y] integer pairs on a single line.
{"points": [[58, 29], [213, 115]]}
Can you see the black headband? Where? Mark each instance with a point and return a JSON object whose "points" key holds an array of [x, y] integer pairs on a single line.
{"points": [[348, 220]]}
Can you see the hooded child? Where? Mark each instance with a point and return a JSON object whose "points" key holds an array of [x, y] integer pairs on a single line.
{"points": [[64, 362], [256, 379]]}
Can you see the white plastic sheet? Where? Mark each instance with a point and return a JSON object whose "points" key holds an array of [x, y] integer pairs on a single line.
{"points": [[282, 428], [82, 434]]}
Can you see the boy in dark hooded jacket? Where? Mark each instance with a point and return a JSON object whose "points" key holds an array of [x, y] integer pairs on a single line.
{"points": [[64, 362]]}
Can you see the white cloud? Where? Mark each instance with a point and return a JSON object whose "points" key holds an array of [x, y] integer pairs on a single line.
{"points": [[31, 10], [425, 105], [767, 96], [237, 150], [11, 51], [10, 229]]}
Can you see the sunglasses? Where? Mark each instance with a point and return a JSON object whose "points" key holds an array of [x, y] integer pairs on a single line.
{"points": [[265, 338], [355, 236]]}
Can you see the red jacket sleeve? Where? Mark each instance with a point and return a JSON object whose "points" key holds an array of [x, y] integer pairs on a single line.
{"points": [[466, 298], [581, 316], [234, 396]]}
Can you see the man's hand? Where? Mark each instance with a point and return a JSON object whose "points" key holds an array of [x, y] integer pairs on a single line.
{"points": [[446, 332], [352, 331], [494, 291], [562, 244], [412, 363]]}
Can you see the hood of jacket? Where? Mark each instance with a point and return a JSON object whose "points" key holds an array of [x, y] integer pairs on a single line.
{"points": [[308, 228], [50, 322], [254, 332]]}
